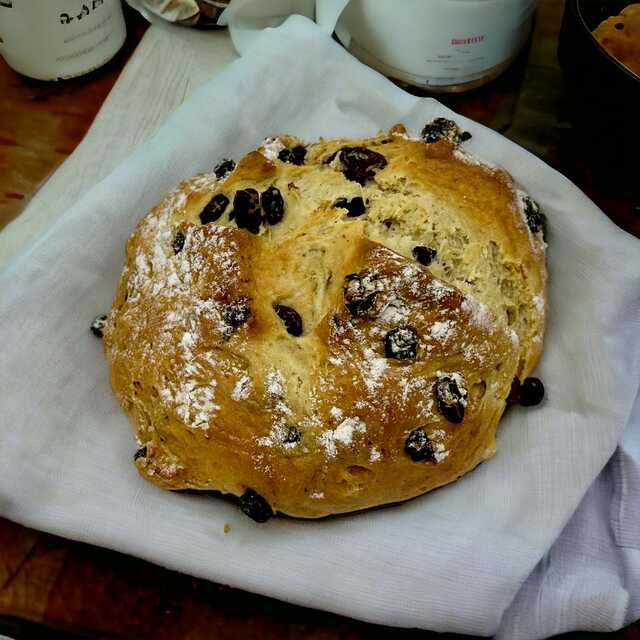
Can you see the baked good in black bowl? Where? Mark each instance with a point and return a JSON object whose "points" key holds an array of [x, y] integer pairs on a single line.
{"points": [[620, 36], [602, 93]]}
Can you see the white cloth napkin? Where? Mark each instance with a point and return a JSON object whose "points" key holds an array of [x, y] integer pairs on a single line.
{"points": [[453, 560], [590, 578]]}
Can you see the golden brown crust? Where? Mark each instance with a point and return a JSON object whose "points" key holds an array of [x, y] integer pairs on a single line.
{"points": [[620, 36], [223, 397]]}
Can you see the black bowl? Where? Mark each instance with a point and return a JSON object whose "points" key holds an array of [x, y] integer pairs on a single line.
{"points": [[603, 96]]}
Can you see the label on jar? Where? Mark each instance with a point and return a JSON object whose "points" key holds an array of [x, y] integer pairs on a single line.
{"points": [[59, 38]]}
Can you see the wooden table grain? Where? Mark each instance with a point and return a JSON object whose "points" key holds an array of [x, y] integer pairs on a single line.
{"points": [[42, 122], [54, 588]]}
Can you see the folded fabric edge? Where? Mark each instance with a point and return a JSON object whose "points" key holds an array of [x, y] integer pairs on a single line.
{"points": [[582, 604], [405, 617]]}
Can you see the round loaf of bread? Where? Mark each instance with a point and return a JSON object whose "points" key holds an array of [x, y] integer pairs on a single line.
{"points": [[328, 327]]}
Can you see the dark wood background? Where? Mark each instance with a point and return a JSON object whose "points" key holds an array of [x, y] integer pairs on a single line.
{"points": [[55, 588]]}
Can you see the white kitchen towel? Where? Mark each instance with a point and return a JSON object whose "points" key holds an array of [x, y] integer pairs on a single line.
{"points": [[453, 560], [590, 578]]}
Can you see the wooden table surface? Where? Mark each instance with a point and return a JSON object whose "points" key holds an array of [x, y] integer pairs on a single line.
{"points": [[54, 588]]}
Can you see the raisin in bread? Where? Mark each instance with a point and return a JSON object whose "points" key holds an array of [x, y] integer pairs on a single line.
{"points": [[328, 327]]}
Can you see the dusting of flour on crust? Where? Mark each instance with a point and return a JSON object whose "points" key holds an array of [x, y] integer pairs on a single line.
{"points": [[242, 389], [271, 147], [437, 437], [341, 435], [470, 158], [538, 303], [156, 271]]}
